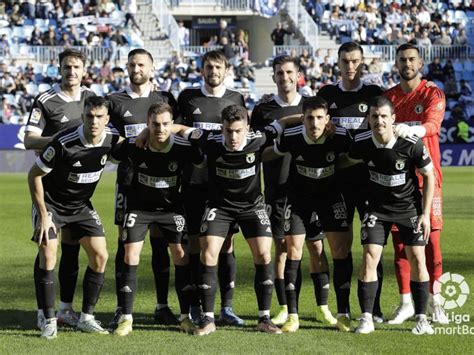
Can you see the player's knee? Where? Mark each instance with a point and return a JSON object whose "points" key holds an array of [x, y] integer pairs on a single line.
{"points": [[101, 258], [262, 258], [179, 255]]}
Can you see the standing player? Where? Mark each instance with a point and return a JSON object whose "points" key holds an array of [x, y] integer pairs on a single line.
{"points": [[62, 182], [313, 194], [347, 102], [154, 198], [420, 109], [394, 198], [128, 109], [233, 159], [57, 109], [202, 108]]}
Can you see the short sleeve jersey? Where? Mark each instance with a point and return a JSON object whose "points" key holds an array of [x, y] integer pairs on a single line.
{"points": [[157, 174], [275, 172], [200, 109], [234, 176], [312, 162], [73, 168], [54, 111], [393, 185], [348, 108]]}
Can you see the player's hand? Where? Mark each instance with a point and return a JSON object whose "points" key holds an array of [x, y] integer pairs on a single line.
{"points": [[142, 141], [402, 130], [423, 225], [42, 231]]}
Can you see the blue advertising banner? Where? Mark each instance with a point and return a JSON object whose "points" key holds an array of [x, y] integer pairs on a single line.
{"points": [[12, 136]]}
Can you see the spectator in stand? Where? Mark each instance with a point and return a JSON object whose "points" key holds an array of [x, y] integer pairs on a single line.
{"points": [[451, 89], [228, 50], [326, 70], [52, 72], [225, 32], [359, 35], [106, 7], [278, 35], [448, 69], [130, 12], [424, 41], [117, 40], [183, 34], [314, 70], [245, 72], [305, 61], [106, 70], [375, 67], [435, 70], [49, 38], [193, 73], [461, 38], [36, 37], [444, 39], [424, 16], [28, 8], [6, 111], [7, 84], [66, 41], [16, 17], [77, 8], [240, 41], [4, 46]]}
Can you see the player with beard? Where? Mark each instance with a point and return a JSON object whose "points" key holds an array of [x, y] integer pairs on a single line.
{"points": [[287, 102], [202, 108], [419, 111], [128, 110], [57, 109]]}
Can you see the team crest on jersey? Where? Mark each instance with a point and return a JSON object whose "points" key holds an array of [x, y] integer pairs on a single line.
{"points": [[399, 164], [35, 115], [196, 134], [173, 166], [330, 156], [419, 108], [287, 225], [103, 160], [49, 154], [363, 107], [250, 158]]}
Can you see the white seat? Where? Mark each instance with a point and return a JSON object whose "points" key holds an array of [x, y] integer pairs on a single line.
{"points": [[32, 89], [98, 89], [43, 87], [38, 68]]}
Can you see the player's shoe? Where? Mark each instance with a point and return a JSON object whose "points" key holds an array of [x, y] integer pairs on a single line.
{"points": [[91, 326], [124, 327], [164, 316], [67, 318], [281, 316], [403, 312], [206, 327], [422, 326], [230, 318], [343, 323], [196, 314], [49, 329], [324, 315], [265, 325], [366, 324], [292, 324], [378, 318], [40, 319], [187, 326], [438, 314], [115, 320]]}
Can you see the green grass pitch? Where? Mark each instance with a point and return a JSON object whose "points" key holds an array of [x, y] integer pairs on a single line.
{"points": [[17, 301]]}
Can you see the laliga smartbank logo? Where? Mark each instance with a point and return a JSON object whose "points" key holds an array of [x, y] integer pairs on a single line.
{"points": [[453, 292]]}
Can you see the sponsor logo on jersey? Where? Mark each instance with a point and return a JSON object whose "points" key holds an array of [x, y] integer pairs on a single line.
{"points": [[387, 180], [208, 126], [197, 111], [180, 222], [196, 134], [35, 116], [84, 178], [330, 156], [64, 119], [77, 164], [250, 158], [400, 164], [315, 173], [425, 153], [333, 106], [173, 166], [413, 123], [133, 130], [363, 107], [263, 217], [418, 109], [351, 122], [157, 182], [235, 174], [103, 160], [49, 154], [127, 114]]}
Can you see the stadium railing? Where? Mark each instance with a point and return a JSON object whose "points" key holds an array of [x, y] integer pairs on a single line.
{"points": [[167, 21], [197, 51], [227, 4], [279, 50], [304, 22]]}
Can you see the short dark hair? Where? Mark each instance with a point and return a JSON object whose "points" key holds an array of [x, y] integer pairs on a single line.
{"points": [[95, 101], [216, 56], [142, 51], [283, 59], [407, 46], [159, 108], [235, 113], [314, 103], [380, 101], [73, 53], [350, 47]]}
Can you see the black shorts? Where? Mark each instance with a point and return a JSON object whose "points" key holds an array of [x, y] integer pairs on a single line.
{"points": [[375, 230], [276, 212], [172, 226], [253, 221], [353, 184], [195, 201], [311, 216], [85, 223], [120, 203]]}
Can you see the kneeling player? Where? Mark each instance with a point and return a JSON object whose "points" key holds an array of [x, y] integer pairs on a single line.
{"points": [[154, 199], [62, 182], [313, 192], [394, 198]]}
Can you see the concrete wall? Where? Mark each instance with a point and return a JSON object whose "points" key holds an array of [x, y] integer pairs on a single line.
{"points": [[259, 30]]}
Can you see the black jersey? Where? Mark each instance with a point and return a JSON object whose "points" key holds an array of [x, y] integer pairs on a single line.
{"points": [[157, 174], [201, 109], [312, 163], [234, 176], [275, 172], [74, 167], [348, 108], [54, 111], [393, 185]]}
